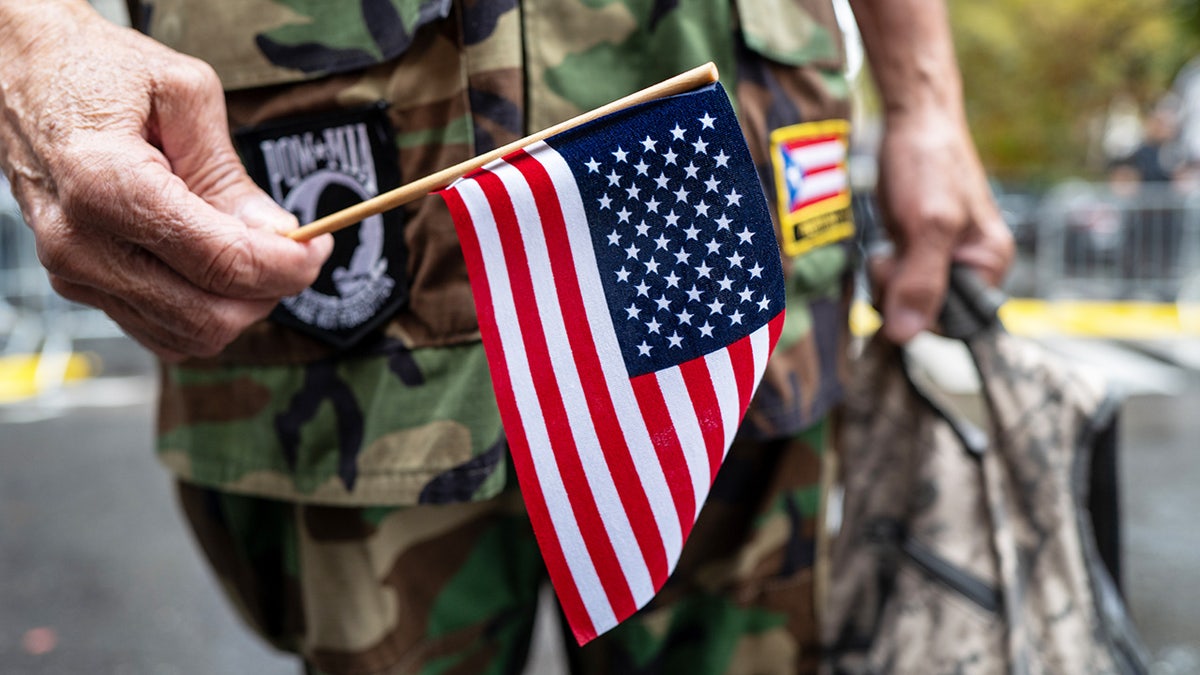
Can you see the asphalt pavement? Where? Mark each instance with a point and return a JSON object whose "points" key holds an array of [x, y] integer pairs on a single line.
{"points": [[98, 573]]}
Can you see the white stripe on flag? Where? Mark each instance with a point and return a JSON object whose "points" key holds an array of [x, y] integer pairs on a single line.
{"points": [[827, 153], [724, 383], [599, 474], [687, 428], [824, 184], [641, 446], [760, 343], [557, 503]]}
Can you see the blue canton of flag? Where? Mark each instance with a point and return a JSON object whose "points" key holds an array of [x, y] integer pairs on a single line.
{"points": [[682, 234]]}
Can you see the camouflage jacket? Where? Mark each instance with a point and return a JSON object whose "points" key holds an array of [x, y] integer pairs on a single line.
{"points": [[407, 414]]}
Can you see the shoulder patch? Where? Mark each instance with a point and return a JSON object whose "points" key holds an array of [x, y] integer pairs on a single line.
{"points": [[812, 183]]}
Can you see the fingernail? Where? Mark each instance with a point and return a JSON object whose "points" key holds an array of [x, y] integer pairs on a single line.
{"points": [[323, 245], [263, 214], [904, 325]]}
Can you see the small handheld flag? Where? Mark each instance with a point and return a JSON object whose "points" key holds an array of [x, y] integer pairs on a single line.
{"points": [[629, 291]]}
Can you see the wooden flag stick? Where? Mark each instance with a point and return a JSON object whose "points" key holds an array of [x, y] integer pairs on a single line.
{"points": [[696, 77]]}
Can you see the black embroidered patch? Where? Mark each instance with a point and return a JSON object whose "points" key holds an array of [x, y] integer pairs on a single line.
{"points": [[315, 166]]}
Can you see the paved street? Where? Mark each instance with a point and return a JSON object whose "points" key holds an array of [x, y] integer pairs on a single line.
{"points": [[97, 574]]}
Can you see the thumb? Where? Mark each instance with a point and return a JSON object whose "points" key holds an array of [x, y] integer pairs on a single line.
{"points": [[915, 290], [193, 133], [190, 127]]}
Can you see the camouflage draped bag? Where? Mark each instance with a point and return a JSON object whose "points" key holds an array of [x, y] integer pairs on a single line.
{"points": [[965, 548]]}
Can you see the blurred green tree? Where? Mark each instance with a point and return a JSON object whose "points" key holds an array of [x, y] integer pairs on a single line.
{"points": [[1040, 76]]}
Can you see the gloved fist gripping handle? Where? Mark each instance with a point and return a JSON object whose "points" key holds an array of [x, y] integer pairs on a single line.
{"points": [[119, 154]]}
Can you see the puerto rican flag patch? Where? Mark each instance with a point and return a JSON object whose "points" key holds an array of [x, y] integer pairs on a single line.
{"points": [[812, 184]]}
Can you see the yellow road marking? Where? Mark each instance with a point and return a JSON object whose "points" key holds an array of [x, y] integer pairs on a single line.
{"points": [[19, 374], [1082, 318]]}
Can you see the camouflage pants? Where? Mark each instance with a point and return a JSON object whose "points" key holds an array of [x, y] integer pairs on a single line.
{"points": [[454, 588]]}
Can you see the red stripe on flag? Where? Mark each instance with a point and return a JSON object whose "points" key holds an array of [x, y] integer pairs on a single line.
{"points": [[741, 355], [796, 206], [566, 453], [794, 143], [810, 172], [666, 443], [531, 491], [776, 330], [708, 410], [587, 364], [823, 169]]}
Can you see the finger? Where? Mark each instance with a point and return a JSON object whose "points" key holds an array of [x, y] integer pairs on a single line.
{"points": [[163, 338], [194, 135], [154, 301], [917, 285], [190, 126], [167, 347], [880, 267], [140, 201], [163, 346], [989, 250]]}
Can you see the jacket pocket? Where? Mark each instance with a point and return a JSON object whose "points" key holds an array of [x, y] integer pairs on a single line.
{"points": [[793, 32]]}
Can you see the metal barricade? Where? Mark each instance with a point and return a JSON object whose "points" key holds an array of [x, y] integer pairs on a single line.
{"points": [[36, 325], [24, 290], [1137, 243]]}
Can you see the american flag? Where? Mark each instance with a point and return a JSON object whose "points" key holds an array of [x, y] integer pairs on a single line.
{"points": [[629, 291]]}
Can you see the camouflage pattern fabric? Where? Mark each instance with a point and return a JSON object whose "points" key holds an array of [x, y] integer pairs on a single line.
{"points": [[358, 506], [398, 426], [408, 416], [969, 549], [261, 43], [454, 588]]}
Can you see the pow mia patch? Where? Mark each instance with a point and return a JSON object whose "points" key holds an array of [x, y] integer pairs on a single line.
{"points": [[812, 184], [314, 166]]}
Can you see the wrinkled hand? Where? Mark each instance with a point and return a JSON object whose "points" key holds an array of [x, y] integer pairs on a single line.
{"points": [[938, 207], [118, 151]]}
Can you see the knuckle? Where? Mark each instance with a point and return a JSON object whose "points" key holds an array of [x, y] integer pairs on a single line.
{"points": [[52, 254], [936, 220], [210, 326], [87, 187], [64, 288], [57, 254], [222, 170], [1005, 243], [213, 334], [1007, 252], [193, 76], [232, 267]]}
